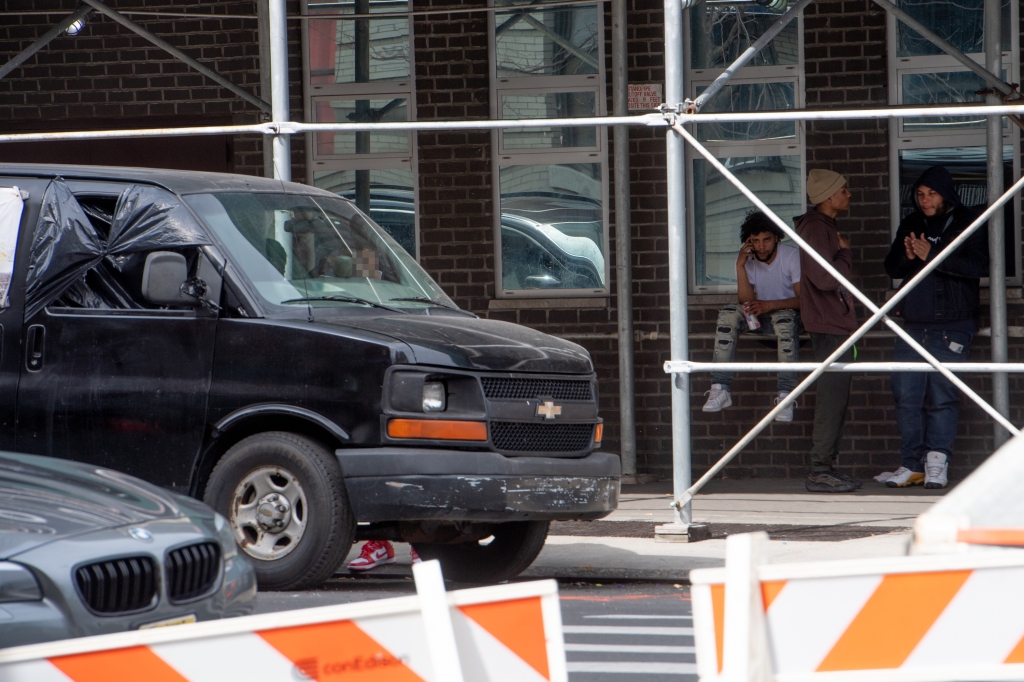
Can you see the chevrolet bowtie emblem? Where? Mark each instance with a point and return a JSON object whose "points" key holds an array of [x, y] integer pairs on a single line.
{"points": [[549, 410]]}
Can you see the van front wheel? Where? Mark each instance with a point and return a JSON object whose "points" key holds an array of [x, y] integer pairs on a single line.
{"points": [[503, 555], [285, 499]]}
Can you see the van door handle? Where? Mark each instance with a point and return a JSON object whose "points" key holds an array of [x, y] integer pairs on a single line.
{"points": [[36, 346]]}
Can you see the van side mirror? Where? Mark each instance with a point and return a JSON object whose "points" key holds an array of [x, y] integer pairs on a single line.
{"points": [[162, 278]]}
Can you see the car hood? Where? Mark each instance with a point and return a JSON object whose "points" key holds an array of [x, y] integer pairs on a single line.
{"points": [[472, 343], [44, 499]]}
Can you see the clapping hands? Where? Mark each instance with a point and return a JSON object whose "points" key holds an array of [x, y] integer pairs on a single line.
{"points": [[917, 247]]}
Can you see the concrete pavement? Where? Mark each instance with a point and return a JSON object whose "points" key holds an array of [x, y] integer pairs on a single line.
{"points": [[742, 505], [779, 501]]}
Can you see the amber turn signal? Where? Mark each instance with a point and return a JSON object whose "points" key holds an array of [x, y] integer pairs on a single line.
{"points": [[598, 432], [437, 429]]}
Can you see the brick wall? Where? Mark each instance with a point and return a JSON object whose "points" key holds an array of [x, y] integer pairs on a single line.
{"points": [[457, 236], [109, 77]]}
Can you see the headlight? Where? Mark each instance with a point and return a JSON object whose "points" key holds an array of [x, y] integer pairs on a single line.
{"points": [[434, 397], [17, 583], [228, 545]]}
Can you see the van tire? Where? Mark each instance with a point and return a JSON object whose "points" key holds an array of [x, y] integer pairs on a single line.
{"points": [[329, 525], [514, 547]]}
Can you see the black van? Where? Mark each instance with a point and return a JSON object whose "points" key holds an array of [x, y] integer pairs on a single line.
{"points": [[266, 347]]}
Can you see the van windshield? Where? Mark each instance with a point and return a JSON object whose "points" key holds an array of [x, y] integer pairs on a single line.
{"points": [[298, 249]]}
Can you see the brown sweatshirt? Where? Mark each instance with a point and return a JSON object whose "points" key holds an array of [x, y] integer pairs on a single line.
{"points": [[825, 306]]}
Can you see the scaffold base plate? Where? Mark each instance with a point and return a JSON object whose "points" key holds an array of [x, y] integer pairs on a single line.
{"points": [[677, 532]]}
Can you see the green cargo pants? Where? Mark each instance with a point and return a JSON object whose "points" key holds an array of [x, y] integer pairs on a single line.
{"points": [[833, 394]]}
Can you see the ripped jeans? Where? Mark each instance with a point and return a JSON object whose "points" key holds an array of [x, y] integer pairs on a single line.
{"points": [[785, 324]]}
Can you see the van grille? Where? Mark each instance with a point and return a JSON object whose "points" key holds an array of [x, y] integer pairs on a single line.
{"points": [[118, 586], [506, 388], [192, 570], [531, 437]]}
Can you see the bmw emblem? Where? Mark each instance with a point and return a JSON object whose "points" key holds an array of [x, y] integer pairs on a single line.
{"points": [[141, 534]]}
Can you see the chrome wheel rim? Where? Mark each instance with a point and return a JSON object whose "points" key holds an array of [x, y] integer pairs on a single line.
{"points": [[268, 513]]}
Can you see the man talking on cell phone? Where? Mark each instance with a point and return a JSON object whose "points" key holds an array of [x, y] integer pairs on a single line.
{"points": [[768, 293]]}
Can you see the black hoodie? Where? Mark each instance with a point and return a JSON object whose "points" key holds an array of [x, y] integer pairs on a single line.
{"points": [[949, 296]]}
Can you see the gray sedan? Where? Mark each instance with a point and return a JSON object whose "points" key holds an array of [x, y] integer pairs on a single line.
{"points": [[88, 551]]}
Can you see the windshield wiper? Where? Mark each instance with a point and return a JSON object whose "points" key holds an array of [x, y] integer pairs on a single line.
{"points": [[344, 299], [424, 299]]}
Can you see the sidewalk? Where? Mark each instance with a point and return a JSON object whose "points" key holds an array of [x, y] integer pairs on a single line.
{"points": [[872, 522]]}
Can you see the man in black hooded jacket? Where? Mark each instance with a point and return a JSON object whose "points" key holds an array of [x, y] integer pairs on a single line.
{"points": [[941, 314]]}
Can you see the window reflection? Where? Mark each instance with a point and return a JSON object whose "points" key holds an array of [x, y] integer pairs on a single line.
{"points": [[336, 110], [387, 196], [358, 50], [960, 23], [943, 87], [749, 97], [720, 33], [719, 208], [552, 227], [549, 105], [548, 42], [968, 166]]}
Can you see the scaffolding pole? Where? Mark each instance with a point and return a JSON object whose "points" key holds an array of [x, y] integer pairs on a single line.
{"points": [[679, 529], [279, 88], [674, 366], [285, 128], [996, 233], [623, 241]]}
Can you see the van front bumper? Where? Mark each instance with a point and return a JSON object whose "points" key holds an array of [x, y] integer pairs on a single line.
{"points": [[410, 484]]}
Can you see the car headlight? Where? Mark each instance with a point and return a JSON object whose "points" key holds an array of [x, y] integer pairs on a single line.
{"points": [[17, 583], [226, 536], [434, 399]]}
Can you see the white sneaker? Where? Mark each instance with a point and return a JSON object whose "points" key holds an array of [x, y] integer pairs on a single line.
{"points": [[718, 399], [936, 468], [904, 478], [787, 414]]}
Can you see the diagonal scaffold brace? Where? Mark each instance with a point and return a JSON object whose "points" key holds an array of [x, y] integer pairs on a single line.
{"points": [[878, 313]]}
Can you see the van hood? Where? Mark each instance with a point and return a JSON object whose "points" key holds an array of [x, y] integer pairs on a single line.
{"points": [[472, 343], [44, 499]]}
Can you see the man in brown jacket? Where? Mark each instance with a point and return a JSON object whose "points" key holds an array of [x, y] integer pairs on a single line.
{"points": [[829, 317]]}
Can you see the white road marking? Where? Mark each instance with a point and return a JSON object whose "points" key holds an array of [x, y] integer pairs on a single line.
{"points": [[638, 616], [627, 668], [631, 648], [626, 630]]}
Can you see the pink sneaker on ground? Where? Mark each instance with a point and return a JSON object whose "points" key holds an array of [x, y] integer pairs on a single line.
{"points": [[374, 553], [415, 557]]}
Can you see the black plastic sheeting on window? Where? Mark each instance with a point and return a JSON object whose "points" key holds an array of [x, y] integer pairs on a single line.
{"points": [[66, 244]]}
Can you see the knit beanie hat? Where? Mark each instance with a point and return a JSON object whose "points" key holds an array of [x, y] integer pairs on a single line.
{"points": [[821, 184]]}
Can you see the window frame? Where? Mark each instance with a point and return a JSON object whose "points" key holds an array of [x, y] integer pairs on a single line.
{"points": [[795, 146], [542, 85], [501, 93], [381, 89], [938, 139]]}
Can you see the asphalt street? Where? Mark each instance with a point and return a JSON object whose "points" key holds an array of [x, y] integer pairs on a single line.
{"points": [[615, 630]]}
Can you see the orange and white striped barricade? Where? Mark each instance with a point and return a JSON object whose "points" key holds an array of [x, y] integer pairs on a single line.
{"points": [[503, 633], [908, 618]]}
